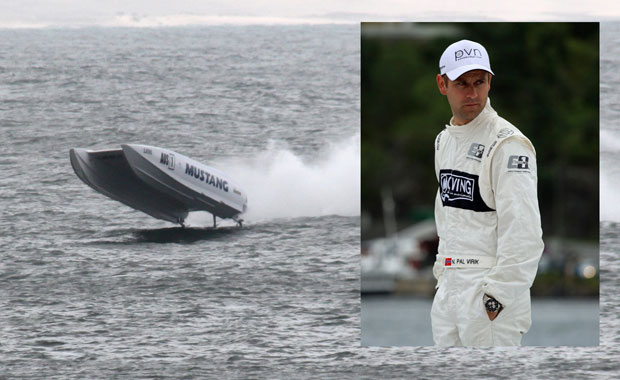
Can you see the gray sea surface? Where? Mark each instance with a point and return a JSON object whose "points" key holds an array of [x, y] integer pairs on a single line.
{"points": [[90, 288], [398, 320]]}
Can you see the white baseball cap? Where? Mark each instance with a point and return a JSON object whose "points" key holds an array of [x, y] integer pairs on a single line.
{"points": [[463, 56]]}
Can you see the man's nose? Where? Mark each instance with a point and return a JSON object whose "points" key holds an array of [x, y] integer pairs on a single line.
{"points": [[471, 92]]}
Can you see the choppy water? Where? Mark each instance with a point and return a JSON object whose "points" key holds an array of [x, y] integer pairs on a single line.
{"points": [[92, 289]]}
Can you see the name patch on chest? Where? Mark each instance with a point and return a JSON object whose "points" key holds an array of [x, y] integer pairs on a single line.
{"points": [[467, 261], [461, 190], [459, 261]]}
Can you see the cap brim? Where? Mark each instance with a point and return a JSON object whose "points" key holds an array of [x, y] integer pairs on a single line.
{"points": [[452, 75]]}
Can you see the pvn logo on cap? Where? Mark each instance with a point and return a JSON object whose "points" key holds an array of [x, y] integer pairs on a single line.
{"points": [[464, 54]]}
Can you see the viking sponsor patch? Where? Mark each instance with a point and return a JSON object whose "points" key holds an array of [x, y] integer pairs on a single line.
{"points": [[461, 190], [456, 187]]}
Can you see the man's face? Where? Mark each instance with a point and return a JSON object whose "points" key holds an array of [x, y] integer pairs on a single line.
{"points": [[467, 94]]}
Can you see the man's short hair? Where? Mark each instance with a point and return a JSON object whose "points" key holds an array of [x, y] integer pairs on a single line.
{"points": [[445, 78]]}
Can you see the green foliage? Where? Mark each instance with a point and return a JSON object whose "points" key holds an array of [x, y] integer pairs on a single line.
{"points": [[546, 83], [560, 285]]}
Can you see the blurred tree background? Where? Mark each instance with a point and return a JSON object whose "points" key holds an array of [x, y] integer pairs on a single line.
{"points": [[546, 84]]}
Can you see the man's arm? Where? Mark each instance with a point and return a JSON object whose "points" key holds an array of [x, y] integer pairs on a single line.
{"points": [[437, 267], [519, 234]]}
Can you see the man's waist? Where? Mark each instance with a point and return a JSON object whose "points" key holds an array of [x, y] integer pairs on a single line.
{"points": [[466, 261]]}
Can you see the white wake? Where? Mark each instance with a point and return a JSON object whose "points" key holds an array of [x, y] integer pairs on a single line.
{"points": [[280, 184]]}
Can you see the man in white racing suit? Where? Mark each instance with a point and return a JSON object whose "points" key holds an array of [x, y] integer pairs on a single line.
{"points": [[486, 211]]}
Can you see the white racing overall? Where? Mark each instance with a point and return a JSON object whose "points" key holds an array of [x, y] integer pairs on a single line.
{"points": [[490, 238]]}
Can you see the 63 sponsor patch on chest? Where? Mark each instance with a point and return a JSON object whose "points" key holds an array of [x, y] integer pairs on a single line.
{"points": [[475, 151]]}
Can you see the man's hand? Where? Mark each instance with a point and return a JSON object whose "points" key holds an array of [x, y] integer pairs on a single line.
{"points": [[493, 315], [491, 303]]}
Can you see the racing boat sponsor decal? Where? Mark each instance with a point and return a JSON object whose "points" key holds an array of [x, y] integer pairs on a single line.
{"points": [[206, 177], [167, 159], [461, 190]]}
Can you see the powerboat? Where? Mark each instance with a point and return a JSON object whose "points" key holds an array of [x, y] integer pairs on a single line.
{"points": [[162, 183]]}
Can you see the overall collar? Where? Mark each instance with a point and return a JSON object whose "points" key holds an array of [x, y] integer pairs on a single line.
{"points": [[466, 129]]}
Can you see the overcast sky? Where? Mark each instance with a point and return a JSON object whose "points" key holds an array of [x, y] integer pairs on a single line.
{"points": [[20, 13]]}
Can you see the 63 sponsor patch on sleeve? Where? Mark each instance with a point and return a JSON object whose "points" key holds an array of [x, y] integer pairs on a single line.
{"points": [[519, 163]]}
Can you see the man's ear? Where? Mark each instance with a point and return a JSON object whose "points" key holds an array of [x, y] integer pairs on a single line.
{"points": [[441, 84]]}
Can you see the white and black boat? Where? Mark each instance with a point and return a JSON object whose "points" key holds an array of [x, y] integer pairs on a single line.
{"points": [[159, 182]]}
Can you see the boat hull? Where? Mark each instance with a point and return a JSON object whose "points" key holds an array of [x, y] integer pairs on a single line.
{"points": [[159, 182]]}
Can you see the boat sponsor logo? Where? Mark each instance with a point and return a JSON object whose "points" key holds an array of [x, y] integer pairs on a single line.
{"points": [[518, 162], [448, 261], [206, 177], [168, 160], [476, 150]]}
